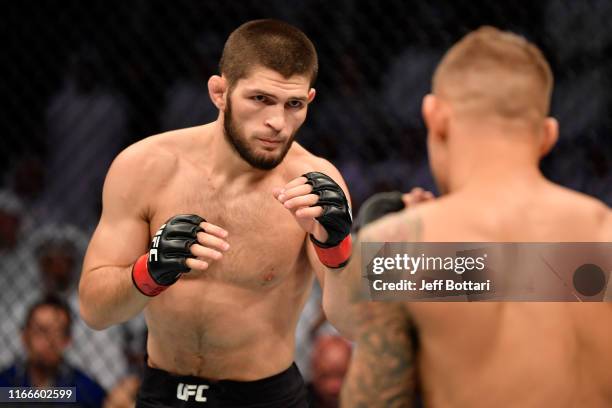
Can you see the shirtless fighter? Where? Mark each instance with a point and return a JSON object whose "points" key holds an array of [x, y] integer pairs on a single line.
{"points": [[238, 218], [487, 131]]}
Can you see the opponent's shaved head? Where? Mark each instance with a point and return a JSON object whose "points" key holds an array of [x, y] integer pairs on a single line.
{"points": [[271, 44], [494, 72]]}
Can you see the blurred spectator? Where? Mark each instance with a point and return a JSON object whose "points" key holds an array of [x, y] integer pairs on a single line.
{"points": [[27, 178], [329, 364], [11, 218], [53, 262], [365, 117], [24, 183], [57, 261], [123, 395], [46, 335], [86, 128], [27, 181], [14, 264]]}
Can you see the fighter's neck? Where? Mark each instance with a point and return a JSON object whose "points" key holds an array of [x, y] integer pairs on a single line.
{"points": [[490, 177], [493, 161]]}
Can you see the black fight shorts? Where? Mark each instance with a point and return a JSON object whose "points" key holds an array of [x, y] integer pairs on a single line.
{"points": [[161, 389]]}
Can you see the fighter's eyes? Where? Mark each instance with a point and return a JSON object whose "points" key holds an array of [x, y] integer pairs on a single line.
{"points": [[293, 104], [259, 98]]}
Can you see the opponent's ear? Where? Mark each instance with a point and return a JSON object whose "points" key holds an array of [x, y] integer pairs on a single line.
{"points": [[550, 136], [434, 115], [217, 87], [311, 94]]}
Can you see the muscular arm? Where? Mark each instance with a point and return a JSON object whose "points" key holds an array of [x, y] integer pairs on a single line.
{"points": [[106, 293], [342, 287], [337, 295], [335, 285], [382, 371]]}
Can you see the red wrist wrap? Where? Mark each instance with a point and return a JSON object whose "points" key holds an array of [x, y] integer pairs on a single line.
{"points": [[142, 278], [338, 256]]}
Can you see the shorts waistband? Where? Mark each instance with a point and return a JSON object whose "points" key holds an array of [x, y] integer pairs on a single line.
{"points": [[285, 389]]}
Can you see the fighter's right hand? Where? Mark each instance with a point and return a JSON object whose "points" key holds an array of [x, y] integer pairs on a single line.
{"points": [[177, 247]]}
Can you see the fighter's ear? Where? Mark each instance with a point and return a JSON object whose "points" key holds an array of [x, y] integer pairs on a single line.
{"points": [[550, 136], [435, 115], [217, 88], [311, 94]]}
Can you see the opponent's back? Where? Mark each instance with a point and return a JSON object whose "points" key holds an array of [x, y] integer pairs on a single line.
{"points": [[503, 353], [488, 128]]}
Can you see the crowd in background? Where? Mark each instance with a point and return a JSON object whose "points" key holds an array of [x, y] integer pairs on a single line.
{"points": [[81, 82]]}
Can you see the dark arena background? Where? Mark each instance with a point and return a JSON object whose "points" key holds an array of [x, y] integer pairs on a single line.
{"points": [[81, 80]]}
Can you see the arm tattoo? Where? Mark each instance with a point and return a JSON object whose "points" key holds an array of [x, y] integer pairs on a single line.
{"points": [[382, 372]]}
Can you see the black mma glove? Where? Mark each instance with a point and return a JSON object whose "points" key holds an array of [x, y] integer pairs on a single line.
{"points": [[377, 206], [159, 268], [336, 219]]}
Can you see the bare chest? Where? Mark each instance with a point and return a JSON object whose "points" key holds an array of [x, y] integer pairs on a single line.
{"points": [[267, 246]]}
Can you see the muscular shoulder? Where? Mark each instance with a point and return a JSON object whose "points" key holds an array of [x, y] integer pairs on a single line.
{"points": [[300, 161], [606, 224], [145, 162], [402, 226], [300, 158], [585, 213], [139, 172], [600, 215], [435, 220]]}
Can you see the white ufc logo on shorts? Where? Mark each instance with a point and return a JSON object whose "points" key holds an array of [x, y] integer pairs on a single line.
{"points": [[184, 391]]}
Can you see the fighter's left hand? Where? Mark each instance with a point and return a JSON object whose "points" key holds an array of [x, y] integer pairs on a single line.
{"points": [[319, 206]]}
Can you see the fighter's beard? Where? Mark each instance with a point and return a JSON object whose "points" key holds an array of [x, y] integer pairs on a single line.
{"points": [[240, 145]]}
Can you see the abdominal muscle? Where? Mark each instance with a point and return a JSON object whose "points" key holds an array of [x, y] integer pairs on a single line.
{"points": [[212, 329]]}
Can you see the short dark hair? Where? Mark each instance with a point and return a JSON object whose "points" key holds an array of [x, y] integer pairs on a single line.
{"points": [[272, 44], [496, 71], [52, 301]]}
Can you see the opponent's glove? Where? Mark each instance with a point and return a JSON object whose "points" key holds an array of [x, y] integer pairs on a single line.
{"points": [[377, 206], [159, 268], [336, 219]]}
